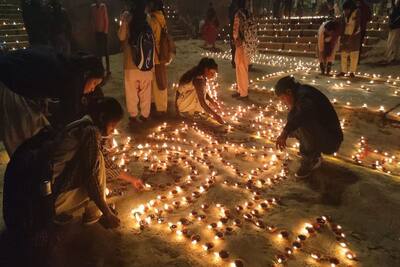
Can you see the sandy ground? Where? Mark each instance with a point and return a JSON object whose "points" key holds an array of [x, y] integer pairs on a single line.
{"points": [[365, 202]]}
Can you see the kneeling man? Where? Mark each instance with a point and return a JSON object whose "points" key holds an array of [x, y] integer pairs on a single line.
{"points": [[312, 120]]}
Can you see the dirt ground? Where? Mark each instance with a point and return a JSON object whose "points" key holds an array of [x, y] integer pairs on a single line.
{"points": [[365, 202]]}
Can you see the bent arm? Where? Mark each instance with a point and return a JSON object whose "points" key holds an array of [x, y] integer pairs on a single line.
{"points": [[302, 112], [199, 85]]}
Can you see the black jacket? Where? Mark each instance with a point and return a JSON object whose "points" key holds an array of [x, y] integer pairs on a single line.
{"points": [[312, 105], [394, 19], [40, 73]]}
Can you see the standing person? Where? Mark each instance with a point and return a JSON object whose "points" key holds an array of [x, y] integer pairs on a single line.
{"points": [[365, 17], [192, 96], [276, 8], [241, 58], [60, 28], [312, 120], [39, 73], [210, 28], [232, 11], [159, 86], [100, 23], [328, 44], [36, 22], [350, 40], [288, 4], [393, 48], [313, 6], [137, 82]]}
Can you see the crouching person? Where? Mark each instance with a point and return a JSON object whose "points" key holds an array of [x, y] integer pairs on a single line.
{"points": [[52, 175], [312, 120], [192, 96]]}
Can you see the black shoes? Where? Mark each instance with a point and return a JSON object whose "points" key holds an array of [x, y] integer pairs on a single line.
{"points": [[236, 95], [307, 165]]}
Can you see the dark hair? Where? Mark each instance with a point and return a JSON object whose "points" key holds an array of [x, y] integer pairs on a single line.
{"points": [[285, 84], [205, 63], [157, 5], [104, 110], [331, 25], [138, 22], [89, 65], [241, 4], [349, 4]]}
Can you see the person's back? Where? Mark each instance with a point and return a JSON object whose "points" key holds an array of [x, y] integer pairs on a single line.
{"points": [[322, 110], [34, 72]]}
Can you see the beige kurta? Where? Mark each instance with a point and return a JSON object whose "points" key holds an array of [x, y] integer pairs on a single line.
{"points": [[188, 101]]}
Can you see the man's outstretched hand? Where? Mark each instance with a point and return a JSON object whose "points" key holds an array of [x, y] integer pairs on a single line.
{"points": [[281, 141]]}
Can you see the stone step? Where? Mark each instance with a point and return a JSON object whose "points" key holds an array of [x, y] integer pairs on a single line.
{"points": [[10, 15], [15, 44], [313, 33], [11, 26], [278, 27], [314, 20], [305, 40], [296, 50], [13, 38], [12, 32]]}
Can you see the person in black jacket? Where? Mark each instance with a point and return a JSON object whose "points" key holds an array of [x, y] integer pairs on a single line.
{"points": [[312, 120], [36, 74]]}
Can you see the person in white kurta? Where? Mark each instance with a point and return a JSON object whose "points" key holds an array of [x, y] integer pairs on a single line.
{"points": [[192, 95]]}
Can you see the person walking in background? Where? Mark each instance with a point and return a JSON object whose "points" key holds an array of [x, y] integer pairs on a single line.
{"points": [[210, 28], [365, 17], [60, 28], [232, 11], [350, 40], [100, 23], [192, 96], [158, 25], [393, 48], [138, 78], [312, 120], [241, 58], [328, 44]]}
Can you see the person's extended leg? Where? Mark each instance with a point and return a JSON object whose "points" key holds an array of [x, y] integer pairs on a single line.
{"points": [[71, 201], [131, 93], [145, 94], [159, 97], [354, 56], [344, 62], [242, 72]]}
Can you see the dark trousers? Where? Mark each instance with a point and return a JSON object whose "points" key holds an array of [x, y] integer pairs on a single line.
{"points": [[315, 139], [102, 48]]}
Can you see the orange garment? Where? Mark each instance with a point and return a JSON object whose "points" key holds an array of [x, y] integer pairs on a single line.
{"points": [[241, 60], [100, 18], [157, 22]]}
